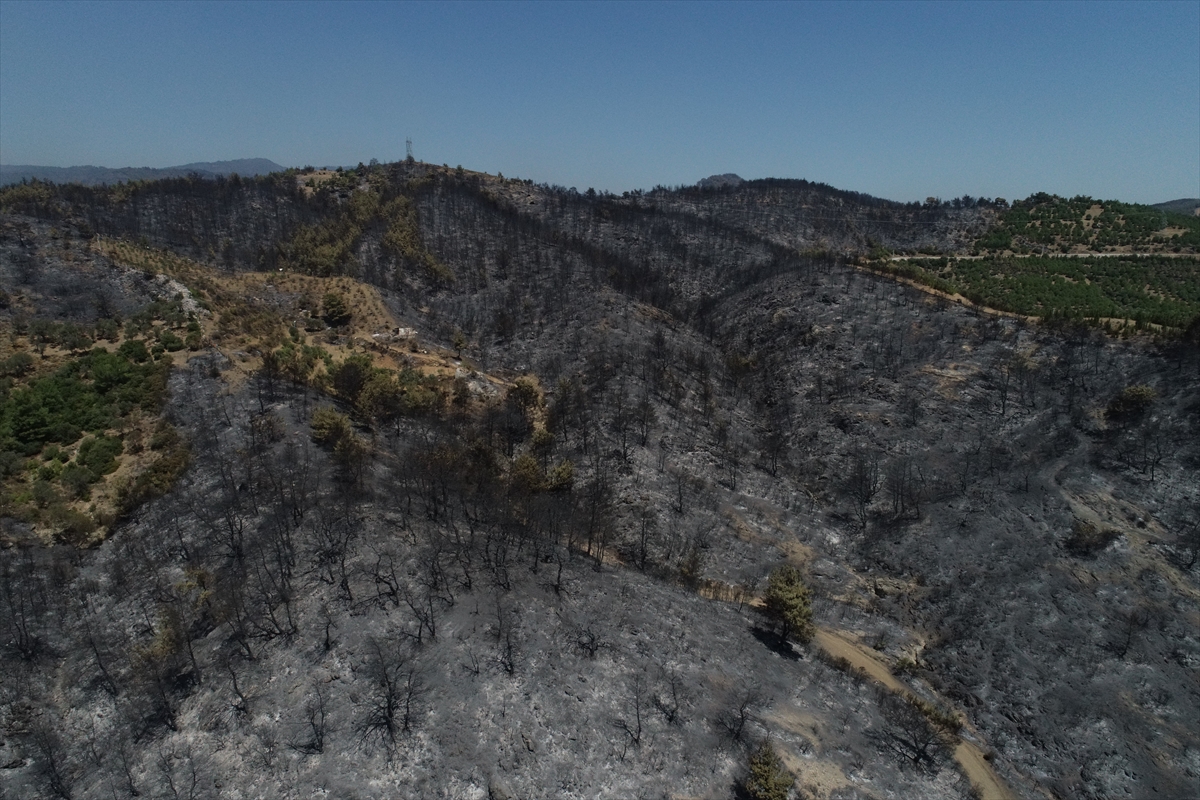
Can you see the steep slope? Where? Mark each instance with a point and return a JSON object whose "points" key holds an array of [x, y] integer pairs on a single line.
{"points": [[977, 500]]}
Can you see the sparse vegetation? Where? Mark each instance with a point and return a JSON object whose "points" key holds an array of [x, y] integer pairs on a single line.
{"points": [[1047, 221]]}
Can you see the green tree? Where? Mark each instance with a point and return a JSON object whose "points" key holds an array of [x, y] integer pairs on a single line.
{"points": [[352, 375], [134, 350], [99, 454], [526, 476], [381, 398], [1130, 404], [77, 481], [16, 365], [336, 312], [769, 779], [526, 394], [788, 602], [329, 427]]}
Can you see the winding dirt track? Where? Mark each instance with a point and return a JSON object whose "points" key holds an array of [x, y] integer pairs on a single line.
{"points": [[968, 755], [980, 772]]}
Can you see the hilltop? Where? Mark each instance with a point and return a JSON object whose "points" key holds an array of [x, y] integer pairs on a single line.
{"points": [[1189, 205]]}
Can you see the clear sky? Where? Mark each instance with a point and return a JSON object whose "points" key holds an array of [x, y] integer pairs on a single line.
{"points": [[895, 99]]}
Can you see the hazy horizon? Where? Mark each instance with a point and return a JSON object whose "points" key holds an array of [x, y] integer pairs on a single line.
{"points": [[901, 101]]}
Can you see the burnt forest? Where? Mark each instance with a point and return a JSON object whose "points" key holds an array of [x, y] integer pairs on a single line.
{"points": [[410, 481]]}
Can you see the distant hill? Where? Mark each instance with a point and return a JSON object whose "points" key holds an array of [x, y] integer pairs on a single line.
{"points": [[93, 176], [1045, 223], [728, 180], [1189, 205]]}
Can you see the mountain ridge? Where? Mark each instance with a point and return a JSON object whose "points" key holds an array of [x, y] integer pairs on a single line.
{"points": [[1184, 205], [496, 474], [90, 175]]}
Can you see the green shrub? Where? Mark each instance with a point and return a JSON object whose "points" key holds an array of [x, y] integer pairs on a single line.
{"points": [[72, 337], [98, 455], [526, 475], [108, 329], [134, 350], [165, 436], [381, 398], [350, 376], [420, 395], [43, 493], [329, 426], [10, 463], [995, 240], [74, 525], [77, 480], [170, 342]]}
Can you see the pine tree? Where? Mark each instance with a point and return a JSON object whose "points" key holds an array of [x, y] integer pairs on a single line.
{"points": [[769, 779], [337, 313], [788, 602]]}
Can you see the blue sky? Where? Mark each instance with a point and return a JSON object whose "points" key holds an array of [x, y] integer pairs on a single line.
{"points": [[900, 100]]}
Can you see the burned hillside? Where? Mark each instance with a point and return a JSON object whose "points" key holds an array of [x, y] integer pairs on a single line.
{"points": [[521, 552]]}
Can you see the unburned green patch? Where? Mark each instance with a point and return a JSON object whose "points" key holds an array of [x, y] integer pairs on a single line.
{"points": [[89, 393], [1160, 290]]}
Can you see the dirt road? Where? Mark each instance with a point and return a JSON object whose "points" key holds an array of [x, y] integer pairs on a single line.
{"points": [[969, 756]]}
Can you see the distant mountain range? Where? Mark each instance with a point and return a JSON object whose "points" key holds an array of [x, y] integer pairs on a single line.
{"points": [[91, 176]]}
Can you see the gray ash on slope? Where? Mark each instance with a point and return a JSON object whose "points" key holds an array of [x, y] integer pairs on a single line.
{"points": [[718, 390]]}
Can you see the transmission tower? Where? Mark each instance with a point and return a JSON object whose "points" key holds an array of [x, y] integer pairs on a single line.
{"points": [[408, 147]]}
